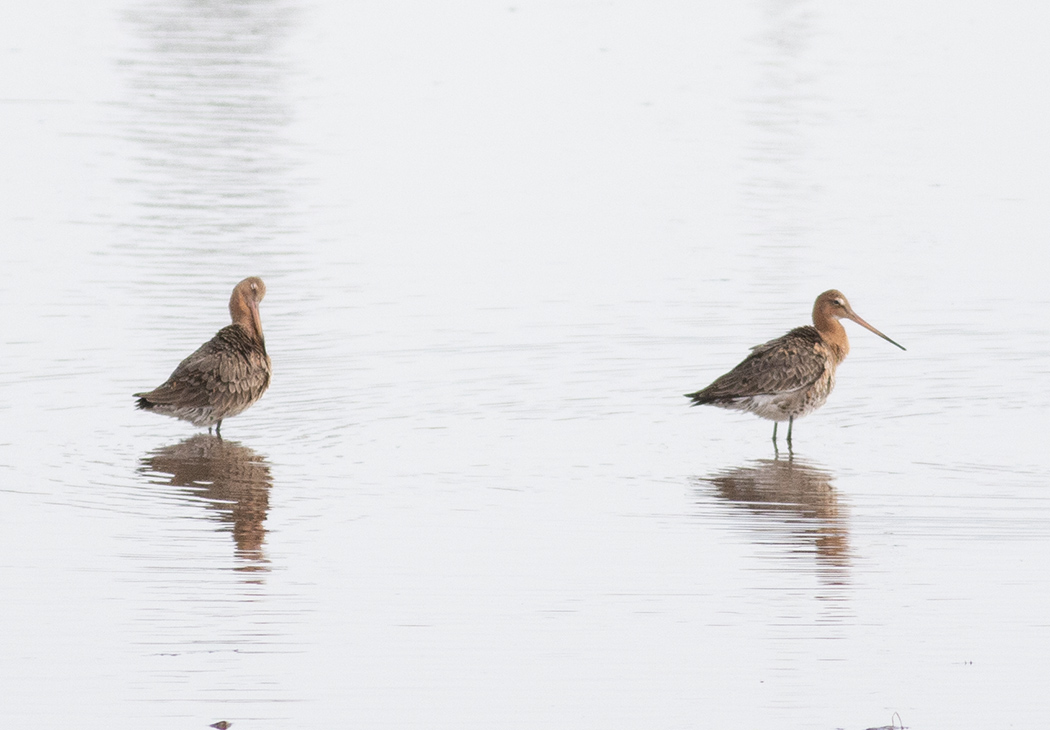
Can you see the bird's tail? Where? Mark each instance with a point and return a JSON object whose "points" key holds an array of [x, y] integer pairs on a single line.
{"points": [[699, 398]]}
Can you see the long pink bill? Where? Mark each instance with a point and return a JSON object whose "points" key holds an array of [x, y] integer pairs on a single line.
{"points": [[853, 315]]}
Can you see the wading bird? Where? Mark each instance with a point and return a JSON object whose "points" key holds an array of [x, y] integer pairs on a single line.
{"points": [[225, 375], [793, 375]]}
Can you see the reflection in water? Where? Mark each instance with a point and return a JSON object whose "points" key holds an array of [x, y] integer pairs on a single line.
{"points": [[208, 112], [232, 480], [793, 503], [781, 114]]}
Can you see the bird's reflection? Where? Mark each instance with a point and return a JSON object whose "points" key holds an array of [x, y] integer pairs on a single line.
{"points": [[794, 505], [230, 479]]}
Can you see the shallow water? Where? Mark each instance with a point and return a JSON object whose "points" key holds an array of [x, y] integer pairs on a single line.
{"points": [[499, 243]]}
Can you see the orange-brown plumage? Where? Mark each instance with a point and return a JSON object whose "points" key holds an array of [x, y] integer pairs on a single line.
{"points": [[793, 375], [225, 375]]}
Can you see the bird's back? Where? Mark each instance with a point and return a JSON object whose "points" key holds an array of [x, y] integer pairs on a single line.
{"points": [[222, 378], [791, 363]]}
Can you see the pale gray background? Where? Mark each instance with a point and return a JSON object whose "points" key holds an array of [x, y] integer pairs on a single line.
{"points": [[500, 241]]}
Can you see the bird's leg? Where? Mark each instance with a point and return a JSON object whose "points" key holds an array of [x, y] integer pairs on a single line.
{"points": [[218, 429], [774, 434], [791, 422]]}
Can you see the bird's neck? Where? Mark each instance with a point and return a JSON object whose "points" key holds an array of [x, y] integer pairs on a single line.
{"points": [[834, 335], [246, 314]]}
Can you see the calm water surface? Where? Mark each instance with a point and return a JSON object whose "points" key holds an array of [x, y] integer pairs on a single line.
{"points": [[499, 242]]}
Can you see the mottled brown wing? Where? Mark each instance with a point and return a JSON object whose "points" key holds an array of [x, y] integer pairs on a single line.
{"points": [[244, 366], [783, 365], [222, 366]]}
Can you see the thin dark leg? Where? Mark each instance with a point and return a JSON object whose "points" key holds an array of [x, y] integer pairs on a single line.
{"points": [[774, 433], [218, 429], [791, 422]]}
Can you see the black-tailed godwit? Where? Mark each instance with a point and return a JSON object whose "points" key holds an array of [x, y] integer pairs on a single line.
{"points": [[225, 375], [793, 375]]}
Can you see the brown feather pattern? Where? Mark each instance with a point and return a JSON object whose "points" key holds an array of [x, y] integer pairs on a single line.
{"points": [[792, 375], [224, 376], [781, 379]]}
